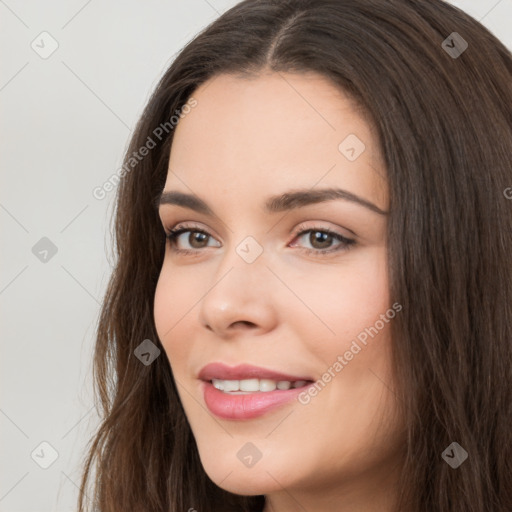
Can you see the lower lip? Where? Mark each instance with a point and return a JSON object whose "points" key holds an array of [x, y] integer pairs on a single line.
{"points": [[245, 407]]}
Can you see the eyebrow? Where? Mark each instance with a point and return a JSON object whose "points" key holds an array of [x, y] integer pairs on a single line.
{"points": [[283, 202]]}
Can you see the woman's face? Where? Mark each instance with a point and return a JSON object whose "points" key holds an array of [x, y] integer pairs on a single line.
{"points": [[268, 286]]}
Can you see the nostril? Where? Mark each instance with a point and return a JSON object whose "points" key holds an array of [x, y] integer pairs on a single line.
{"points": [[244, 323]]}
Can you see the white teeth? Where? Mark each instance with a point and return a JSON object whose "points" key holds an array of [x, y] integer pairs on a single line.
{"points": [[218, 384], [248, 385], [255, 385], [267, 385], [231, 385]]}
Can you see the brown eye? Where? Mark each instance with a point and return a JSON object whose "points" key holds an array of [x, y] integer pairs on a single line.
{"points": [[321, 241], [197, 239]]}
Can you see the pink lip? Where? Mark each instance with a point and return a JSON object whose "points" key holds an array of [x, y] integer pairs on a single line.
{"points": [[244, 371], [245, 406]]}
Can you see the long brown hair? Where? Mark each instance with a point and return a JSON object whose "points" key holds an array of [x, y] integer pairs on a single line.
{"points": [[444, 125]]}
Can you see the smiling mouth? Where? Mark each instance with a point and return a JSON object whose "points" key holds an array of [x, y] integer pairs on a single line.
{"points": [[246, 399], [247, 386]]}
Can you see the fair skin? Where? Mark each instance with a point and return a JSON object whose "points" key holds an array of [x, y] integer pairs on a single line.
{"points": [[290, 310]]}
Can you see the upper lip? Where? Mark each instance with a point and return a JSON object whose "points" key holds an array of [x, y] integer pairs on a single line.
{"points": [[244, 371]]}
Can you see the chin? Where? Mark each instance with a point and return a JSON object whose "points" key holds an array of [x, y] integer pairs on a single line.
{"points": [[242, 480]]}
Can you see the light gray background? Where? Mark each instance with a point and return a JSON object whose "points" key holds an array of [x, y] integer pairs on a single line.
{"points": [[65, 122]]}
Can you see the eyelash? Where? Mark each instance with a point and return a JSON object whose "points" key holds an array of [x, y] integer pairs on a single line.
{"points": [[345, 244]]}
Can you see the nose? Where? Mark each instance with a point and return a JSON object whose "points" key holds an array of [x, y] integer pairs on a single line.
{"points": [[239, 298]]}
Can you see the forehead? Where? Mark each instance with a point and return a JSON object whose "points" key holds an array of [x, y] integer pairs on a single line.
{"points": [[273, 131]]}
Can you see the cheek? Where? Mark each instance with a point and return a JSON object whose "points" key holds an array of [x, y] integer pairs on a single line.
{"points": [[353, 311], [173, 301], [176, 294], [163, 308], [346, 299]]}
